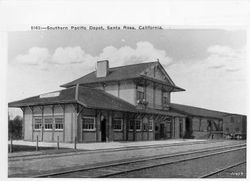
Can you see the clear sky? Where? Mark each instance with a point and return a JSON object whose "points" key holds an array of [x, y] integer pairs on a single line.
{"points": [[209, 63]]}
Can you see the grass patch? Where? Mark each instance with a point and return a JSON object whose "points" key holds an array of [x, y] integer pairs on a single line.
{"points": [[18, 148]]}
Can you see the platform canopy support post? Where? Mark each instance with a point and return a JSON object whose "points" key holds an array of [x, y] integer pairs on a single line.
{"points": [[37, 148], [75, 143], [58, 142], [11, 144]]}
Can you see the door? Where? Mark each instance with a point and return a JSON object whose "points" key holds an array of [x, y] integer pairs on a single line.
{"points": [[189, 129], [162, 134], [168, 130], [103, 130], [181, 129]]}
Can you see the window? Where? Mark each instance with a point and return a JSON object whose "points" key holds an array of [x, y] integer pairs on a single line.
{"points": [[209, 125], [150, 126], [138, 124], [131, 125], [203, 126], [144, 126], [117, 124], [232, 120], [221, 125], [196, 124], [140, 93], [38, 123], [164, 98], [88, 123], [59, 123], [48, 123]]}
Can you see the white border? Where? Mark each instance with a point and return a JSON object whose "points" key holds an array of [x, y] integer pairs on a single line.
{"points": [[19, 15]]}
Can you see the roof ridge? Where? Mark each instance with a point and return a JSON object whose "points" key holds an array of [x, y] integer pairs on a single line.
{"points": [[132, 65]]}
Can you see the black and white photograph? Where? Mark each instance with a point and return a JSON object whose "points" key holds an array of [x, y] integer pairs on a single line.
{"points": [[126, 101]]}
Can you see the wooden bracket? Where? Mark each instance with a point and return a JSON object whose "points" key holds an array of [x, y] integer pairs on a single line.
{"points": [[79, 112], [22, 108], [31, 109]]}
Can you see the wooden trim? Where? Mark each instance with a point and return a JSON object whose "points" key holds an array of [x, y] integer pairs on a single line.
{"points": [[54, 123], [148, 128], [123, 127], [23, 123], [71, 134], [32, 123], [134, 130], [118, 93], [142, 128], [153, 127], [127, 125], [160, 82], [154, 92], [174, 127], [111, 136], [42, 108], [200, 123], [64, 121], [97, 115]]}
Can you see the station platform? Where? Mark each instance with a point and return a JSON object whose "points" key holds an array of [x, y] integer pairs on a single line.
{"points": [[104, 145], [36, 163]]}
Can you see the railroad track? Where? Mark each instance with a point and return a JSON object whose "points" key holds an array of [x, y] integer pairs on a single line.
{"points": [[84, 152], [210, 174], [126, 166]]}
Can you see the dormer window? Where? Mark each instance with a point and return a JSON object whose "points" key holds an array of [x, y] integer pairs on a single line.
{"points": [[140, 93], [165, 98]]}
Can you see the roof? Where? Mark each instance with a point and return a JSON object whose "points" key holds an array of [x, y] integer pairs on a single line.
{"points": [[124, 73], [115, 74], [65, 96], [195, 111], [99, 99], [88, 97], [161, 112]]}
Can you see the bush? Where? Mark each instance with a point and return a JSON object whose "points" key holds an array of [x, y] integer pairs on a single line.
{"points": [[15, 128]]}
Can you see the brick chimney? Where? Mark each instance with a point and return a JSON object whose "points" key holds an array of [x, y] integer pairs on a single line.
{"points": [[102, 68]]}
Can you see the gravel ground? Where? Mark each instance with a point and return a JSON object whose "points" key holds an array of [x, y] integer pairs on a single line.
{"points": [[24, 168], [192, 169], [235, 172]]}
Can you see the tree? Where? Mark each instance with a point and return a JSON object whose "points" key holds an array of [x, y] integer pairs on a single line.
{"points": [[15, 128]]}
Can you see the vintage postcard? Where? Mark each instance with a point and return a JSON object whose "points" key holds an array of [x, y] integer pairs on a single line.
{"points": [[126, 100]]}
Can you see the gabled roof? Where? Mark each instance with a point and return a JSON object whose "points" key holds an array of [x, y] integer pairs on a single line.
{"points": [[88, 97], [115, 74], [125, 73], [195, 111]]}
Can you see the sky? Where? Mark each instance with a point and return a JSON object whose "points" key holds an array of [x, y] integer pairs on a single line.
{"points": [[210, 64]]}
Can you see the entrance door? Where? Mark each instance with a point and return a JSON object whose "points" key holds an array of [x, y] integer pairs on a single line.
{"points": [[103, 130], [188, 127], [168, 130], [181, 129], [162, 134]]}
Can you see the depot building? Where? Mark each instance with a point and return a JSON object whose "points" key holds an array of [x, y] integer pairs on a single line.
{"points": [[126, 103]]}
